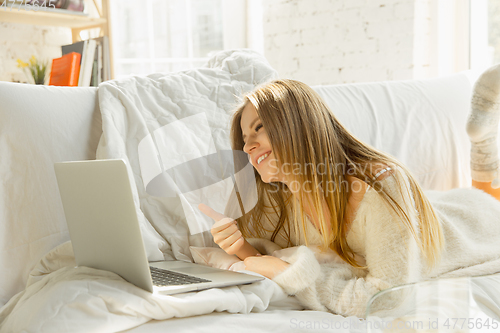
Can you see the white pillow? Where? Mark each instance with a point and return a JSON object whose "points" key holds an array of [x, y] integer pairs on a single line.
{"points": [[39, 125]]}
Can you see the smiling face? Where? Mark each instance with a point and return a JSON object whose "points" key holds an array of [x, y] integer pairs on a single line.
{"points": [[257, 145]]}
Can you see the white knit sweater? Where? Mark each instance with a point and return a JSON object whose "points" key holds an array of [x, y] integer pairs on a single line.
{"points": [[471, 223]]}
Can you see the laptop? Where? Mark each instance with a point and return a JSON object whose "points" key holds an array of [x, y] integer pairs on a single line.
{"points": [[104, 230]]}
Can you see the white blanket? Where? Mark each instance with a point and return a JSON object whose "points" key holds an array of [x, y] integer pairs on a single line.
{"points": [[61, 297]]}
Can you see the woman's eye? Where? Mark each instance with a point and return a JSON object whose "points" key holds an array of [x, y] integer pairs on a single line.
{"points": [[258, 127]]}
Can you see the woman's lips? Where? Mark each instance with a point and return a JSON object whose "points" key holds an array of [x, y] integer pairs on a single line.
{"points": [[257, 160]]}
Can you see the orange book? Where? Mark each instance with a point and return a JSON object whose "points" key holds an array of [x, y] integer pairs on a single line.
{"points": [[65, 70]]}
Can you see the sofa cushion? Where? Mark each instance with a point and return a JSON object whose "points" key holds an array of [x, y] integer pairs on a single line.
{"points": [[39, 125]]}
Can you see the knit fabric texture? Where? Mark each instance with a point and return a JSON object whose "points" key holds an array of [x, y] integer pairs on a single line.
{"points": [[470, 220]]}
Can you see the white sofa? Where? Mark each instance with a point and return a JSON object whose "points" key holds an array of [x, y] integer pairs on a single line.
{"points": [[421, 122]]}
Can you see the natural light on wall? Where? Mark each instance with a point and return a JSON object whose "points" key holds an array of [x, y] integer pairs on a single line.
{"points": [[170, 35], [152, 36]]}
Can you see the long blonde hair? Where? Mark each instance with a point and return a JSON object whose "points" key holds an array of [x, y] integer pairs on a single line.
{"points": [[302, 129]]}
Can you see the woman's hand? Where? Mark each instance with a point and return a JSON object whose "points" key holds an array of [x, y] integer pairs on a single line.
{"points": [[268, 266], [227, 234]]}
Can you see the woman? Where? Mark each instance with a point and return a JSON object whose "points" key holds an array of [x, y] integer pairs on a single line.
{"points": [[362, 204]]}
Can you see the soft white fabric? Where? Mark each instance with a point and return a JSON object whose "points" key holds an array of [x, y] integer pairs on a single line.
{"points": [[471, 224], [276, 321], [60, 296], [39, 125], [431, 303], [63, 298], [135, 107], [420, 122]]}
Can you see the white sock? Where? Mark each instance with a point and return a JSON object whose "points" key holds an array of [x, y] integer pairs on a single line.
{"points": [[482, 127]]}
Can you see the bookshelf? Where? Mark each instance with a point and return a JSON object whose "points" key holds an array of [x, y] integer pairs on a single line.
{"points": [[76, 21]]}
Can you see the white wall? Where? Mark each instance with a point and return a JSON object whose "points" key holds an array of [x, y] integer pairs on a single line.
{"points": [[343, 41], [22, 41]]}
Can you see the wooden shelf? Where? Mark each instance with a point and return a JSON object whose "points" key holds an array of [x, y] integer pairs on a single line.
{"points": [[52, 17]]}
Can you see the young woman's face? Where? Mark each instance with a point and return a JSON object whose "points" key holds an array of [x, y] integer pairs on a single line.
{"points": [[257, 145]]}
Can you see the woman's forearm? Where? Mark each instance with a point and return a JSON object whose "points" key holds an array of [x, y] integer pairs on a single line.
{"points": [[247, 250]]}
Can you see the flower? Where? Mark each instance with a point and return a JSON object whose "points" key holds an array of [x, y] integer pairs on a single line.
{"points": [[34, 68], [21, 64]]}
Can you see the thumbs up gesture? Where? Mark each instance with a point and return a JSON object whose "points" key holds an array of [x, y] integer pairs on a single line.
{"points": [[227, 234]]}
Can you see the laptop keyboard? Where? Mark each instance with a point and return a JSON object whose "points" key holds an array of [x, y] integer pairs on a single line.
{"points": [[163, 277]]}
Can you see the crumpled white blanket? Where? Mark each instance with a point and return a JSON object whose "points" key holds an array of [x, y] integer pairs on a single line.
{"points": [[60, 297]]}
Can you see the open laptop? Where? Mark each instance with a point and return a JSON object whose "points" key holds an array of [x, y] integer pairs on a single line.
{"points": [[104, 230]]}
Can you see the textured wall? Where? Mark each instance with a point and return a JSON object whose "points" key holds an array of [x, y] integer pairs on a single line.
{"points": [[22, 41], [316, 41], [343, 41]]}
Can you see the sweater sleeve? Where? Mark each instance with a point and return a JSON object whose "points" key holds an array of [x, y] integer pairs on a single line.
{"points": [[392, 258]]}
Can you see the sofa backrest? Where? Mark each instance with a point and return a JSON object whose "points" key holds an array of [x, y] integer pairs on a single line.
{"points": [[39, 125], [420, 122]]}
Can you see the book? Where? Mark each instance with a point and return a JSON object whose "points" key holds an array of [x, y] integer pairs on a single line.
{"points": [[75, 47], [99, 69], [96, 69], [105, 66], [65, 70], [78, 47], [93, 79], [99, 63], [103, 63], [84, 51], [87, 63]]}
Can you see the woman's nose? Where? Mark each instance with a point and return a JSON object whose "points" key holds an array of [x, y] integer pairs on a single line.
{"points": [[250, 145]]}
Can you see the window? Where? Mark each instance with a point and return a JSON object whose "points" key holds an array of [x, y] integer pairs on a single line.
{"points": [[449, 22], [170, 35], [485, 33]]}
